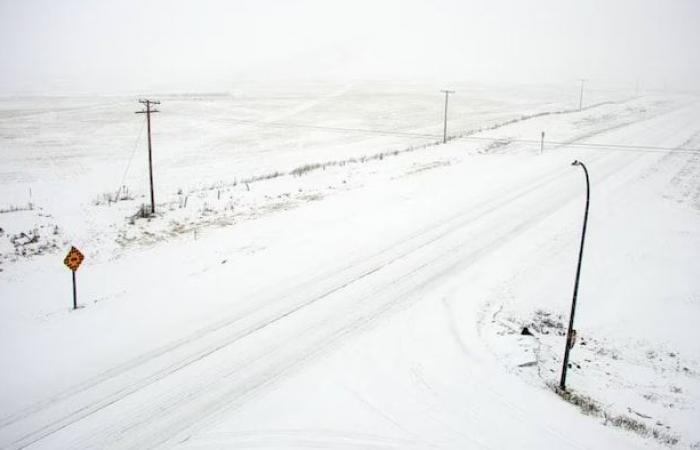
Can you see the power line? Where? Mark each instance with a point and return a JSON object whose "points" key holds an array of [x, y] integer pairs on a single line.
{"points": [[620, 147], [128, 164], [343, 129]]}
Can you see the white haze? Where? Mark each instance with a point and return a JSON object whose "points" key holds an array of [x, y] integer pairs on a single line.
{"points": [[87, 46]]}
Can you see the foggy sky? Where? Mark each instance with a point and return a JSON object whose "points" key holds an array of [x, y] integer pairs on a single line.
{"points": [[92, 46]]}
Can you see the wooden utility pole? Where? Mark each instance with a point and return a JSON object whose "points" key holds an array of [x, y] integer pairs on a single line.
{"points": [[148, 112], [444, 131]]}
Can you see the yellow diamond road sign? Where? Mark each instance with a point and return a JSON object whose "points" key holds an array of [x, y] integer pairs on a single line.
{"points": [[73, 259]]}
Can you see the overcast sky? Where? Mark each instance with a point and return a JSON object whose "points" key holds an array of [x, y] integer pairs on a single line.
{"points": [[51, 46]]}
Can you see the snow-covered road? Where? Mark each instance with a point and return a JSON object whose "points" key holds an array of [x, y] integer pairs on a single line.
{"points": [[385, 284]]}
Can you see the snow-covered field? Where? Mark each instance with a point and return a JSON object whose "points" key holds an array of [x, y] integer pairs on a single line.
{"points": [[323, 272]]}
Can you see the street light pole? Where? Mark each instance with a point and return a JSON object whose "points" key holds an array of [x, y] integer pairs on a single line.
{"points": [[580, 97], [570, 331]]}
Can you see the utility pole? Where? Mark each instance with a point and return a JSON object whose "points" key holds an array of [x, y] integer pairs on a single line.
{"points": [[148, 112], [444, 131], [580, 98], [571, 333]]}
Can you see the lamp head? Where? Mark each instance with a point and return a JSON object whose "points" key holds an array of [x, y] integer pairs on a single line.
{"points": [[576, 163]]}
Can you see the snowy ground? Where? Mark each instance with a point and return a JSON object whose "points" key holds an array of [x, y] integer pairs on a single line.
{"points": [[372, 298]]}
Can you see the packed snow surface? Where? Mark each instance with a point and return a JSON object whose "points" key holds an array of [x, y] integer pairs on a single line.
{"points": [[323, 272]]}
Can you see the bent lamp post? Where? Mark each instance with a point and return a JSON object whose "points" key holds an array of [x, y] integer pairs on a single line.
{"points": [[570, 333]]}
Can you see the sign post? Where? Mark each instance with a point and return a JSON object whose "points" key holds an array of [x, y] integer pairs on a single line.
{"points": [[75, 292], [73, 260], [542, 143]]}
